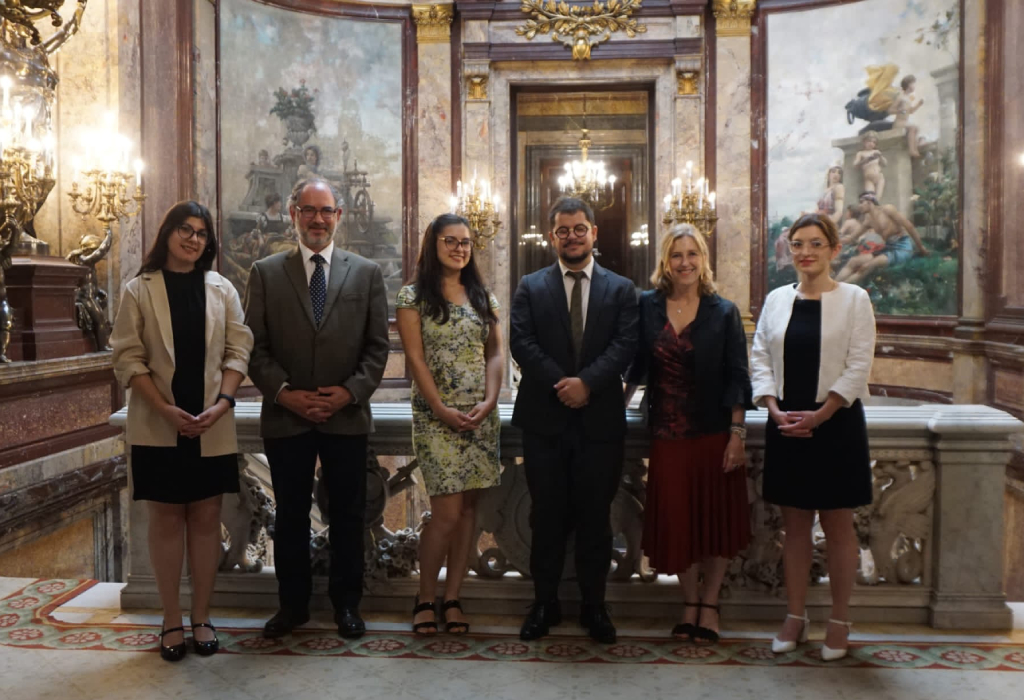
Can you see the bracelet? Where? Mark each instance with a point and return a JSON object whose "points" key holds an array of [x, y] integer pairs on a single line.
{"points": [[229, 399], [739, 429]]}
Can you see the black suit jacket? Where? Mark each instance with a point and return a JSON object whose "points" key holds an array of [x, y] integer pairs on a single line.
{"points": [[541, 342], [720, 357]]}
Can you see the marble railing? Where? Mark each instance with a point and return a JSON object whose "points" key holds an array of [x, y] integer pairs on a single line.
{"points": [[931, 542]]}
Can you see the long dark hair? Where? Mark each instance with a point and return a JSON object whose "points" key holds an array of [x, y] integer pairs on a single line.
{"points": [[156, 259], [429, 275]]}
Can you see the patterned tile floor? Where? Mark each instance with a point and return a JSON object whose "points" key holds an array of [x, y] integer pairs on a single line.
{"points": [[53, 634]]}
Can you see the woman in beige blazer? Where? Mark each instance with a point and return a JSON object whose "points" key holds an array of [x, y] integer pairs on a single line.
{"points": [[181, 346], [810, 363]]}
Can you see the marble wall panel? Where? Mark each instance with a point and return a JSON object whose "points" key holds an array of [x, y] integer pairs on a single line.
{"points": [[49, 414], [921, 374], [732, 164], [204, 111], [434, 132], [973, 182]]}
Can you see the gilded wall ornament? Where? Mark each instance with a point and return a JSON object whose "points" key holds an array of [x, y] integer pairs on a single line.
{"points": [[477, 87], [580, 28], [433, 23], [687, 82], [733, 16]]}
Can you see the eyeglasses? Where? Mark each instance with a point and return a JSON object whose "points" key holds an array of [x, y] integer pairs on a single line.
{"points": [[579, 230], [815, 244], [451, 243], [185, 232], [325, 212]]}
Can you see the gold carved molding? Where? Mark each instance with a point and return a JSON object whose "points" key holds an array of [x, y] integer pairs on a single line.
{"points": [[476, 74], [580, 27], [433, 23], [732, 17], [687, 82]]}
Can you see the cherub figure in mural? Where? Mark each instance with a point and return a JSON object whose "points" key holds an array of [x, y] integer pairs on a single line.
{"points": [[903, 106], [900, 238], [90, 298], [871, 161], [311, 166], [263, 158], [831, 203]]}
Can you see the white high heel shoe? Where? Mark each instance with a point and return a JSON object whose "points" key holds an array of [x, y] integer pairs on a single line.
{"points": [[829, 654], [781, 647]]}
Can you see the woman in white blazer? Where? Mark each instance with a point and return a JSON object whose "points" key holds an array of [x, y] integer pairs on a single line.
{"points": [[810, 362], [181, 346]]}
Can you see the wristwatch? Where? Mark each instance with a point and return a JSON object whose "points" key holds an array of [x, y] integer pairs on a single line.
{"points": [[739, 429], [229, 399]]}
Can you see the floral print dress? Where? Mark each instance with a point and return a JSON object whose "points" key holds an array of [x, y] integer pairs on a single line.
{"points": [[453, 462]]}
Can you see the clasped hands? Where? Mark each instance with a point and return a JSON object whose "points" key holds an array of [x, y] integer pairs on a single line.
{"points": [[799, 424], [315, 406], [462, 422], [573, 392], [191, 426]]}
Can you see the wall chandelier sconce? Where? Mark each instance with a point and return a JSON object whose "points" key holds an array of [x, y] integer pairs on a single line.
{"points": [[640, 238], [479, 206], [533, 238], [694, 205]]}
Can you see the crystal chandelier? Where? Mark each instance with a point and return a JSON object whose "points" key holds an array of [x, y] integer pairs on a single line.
{"points": [[479, 206], [695, 205], [640, 238], [533, 238], [586, 179]]}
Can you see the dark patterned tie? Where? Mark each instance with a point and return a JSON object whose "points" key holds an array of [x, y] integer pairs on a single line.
{"points": [[318, 288], [576, 312]]}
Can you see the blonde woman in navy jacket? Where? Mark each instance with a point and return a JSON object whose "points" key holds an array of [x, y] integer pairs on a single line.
{"points": [[810, 363]]}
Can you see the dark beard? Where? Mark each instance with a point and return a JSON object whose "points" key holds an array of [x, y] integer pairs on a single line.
{"points": [[574, 259]]}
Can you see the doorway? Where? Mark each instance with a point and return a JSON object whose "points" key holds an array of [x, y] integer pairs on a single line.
{"points": [[547, 128]]}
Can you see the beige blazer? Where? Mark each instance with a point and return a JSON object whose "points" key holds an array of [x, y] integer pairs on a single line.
{"points": [[143, 343], [847, 344]]}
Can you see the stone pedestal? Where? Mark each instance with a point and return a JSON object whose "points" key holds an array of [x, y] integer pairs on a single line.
{"points": [[898, 169], [41, 292]]}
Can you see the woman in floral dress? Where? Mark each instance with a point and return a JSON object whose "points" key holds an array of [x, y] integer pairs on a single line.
{"points": [[449, 327]]}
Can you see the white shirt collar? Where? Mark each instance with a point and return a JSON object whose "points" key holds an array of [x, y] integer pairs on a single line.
{"points": [[588, 270], [326, 253]]}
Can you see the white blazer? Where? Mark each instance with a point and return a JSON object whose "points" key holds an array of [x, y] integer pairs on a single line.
{"points": [[847, 344], [143, 343]]}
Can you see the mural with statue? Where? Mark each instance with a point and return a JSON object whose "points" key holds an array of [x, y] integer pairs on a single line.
{"points": [[862, 126], [302, 95]]}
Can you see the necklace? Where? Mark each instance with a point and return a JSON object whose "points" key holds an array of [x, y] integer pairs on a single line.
{"points": [[682, 306]]}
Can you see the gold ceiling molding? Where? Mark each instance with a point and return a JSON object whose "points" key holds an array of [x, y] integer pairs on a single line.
{"points": [[433, 23], [733, 16], [580, 27]]}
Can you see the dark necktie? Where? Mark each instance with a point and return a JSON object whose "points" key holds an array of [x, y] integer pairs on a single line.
{"points": [[576, 312], [318, 288]]}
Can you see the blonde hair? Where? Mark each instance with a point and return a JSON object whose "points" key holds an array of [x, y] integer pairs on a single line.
{"points": [[662, 277]]}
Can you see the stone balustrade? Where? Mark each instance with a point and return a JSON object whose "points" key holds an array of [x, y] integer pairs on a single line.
{"points": [[931, 542]]}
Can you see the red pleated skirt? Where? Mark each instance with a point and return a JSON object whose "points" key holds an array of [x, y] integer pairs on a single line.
{"points": [[694, 510]]}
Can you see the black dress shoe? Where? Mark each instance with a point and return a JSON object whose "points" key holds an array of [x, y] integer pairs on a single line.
{"points": [[541, 618], [284, 622], [598, 623], [205, 648], [350, 624], [175, 652]]}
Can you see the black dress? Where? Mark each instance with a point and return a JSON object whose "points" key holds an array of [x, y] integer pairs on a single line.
{"points": [[831, 469], [180, 474]]}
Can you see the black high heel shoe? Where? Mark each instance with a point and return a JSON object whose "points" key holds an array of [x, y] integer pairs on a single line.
{"points": [[427, 627], [453, 627], [175, 652], [684, 630], [206, 648]]}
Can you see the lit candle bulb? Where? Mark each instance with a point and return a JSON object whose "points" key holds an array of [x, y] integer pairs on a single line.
{"points": [[5, 83], [454, 204], [711, 200], [668, 202], [611, 182], [458, 189], [138, 173]]}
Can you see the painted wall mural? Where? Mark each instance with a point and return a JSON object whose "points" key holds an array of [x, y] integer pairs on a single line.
{"points": [[862, 124], [303, 94]]}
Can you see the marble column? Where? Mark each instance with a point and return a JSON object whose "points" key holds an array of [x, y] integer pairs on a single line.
{"points": [[433, 111], [970, 366], [477, 151], [689, 124], [732, 150]]}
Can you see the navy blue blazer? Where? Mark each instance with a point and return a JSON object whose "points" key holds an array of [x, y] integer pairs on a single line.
{"points": [[720, 356], [541, 342]]}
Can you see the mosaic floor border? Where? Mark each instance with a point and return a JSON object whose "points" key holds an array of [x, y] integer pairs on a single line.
{"points": [[26, 620]]}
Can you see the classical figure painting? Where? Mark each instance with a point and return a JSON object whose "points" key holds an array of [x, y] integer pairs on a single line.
{"points": [[301, 95], [862, 126]]}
